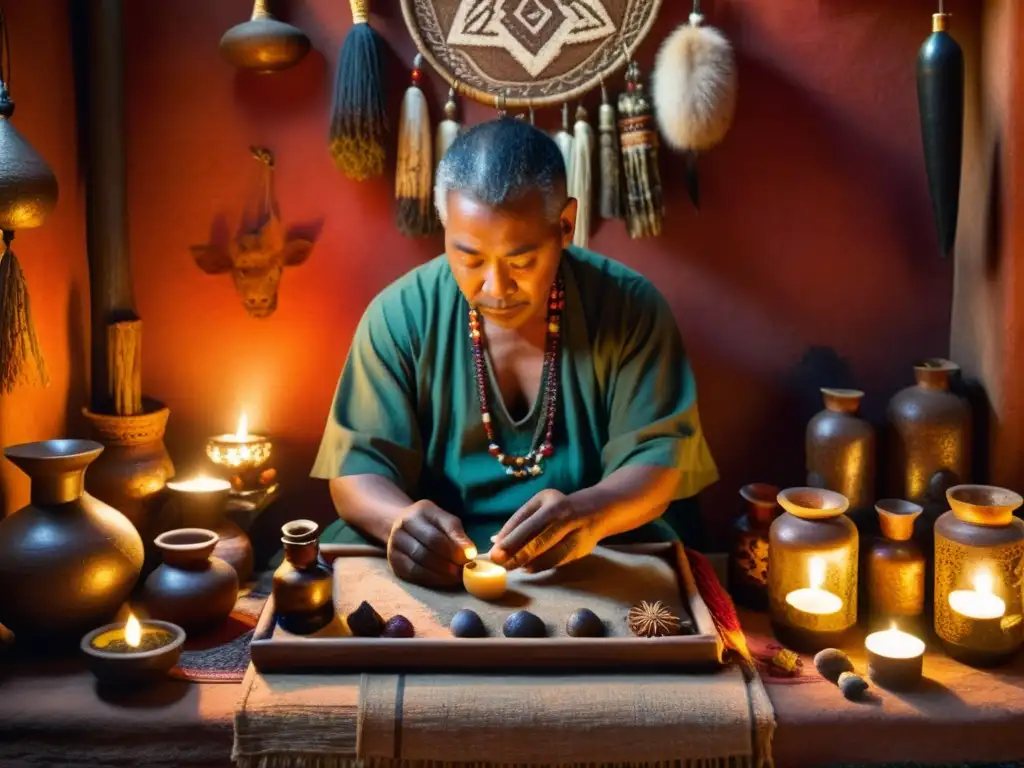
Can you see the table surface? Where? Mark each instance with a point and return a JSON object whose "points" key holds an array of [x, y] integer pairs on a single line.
{"points": [[54, 709]]}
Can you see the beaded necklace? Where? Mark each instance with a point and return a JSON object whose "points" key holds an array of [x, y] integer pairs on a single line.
{"points": [[542, 447]]}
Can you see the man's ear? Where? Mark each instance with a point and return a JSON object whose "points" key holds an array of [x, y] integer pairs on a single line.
{"points": [[567, 221]]}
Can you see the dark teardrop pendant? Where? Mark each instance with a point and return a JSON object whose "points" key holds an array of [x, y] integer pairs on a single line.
{"points": [[940, 99]]}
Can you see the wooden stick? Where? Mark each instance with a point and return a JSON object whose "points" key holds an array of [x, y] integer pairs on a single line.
{"points": [[124, 363]]}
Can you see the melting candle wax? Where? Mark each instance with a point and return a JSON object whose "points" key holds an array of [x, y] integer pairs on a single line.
{"points": [[980, 602], [484, 579], [814, 599]]}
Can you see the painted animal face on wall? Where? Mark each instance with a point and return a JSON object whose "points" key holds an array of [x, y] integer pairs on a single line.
{"points": [[256, 261]]}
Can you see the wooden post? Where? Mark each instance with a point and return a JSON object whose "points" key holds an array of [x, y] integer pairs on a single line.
{"points": [[124, 362]]}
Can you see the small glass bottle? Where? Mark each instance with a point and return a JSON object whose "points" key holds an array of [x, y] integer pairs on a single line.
{"points": [[748, 556], [303, 583], [896, 568]]}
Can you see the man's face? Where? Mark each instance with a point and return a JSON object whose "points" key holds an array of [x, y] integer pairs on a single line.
{"points": [[505, 258]]}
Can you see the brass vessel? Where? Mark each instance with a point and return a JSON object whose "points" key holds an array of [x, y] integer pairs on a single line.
{"points": [[840, 448], [896, 567], [264, 44], [303, 583]]}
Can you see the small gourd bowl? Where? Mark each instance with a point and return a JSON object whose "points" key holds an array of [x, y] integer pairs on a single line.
{"points": [[986, 505], [813, 503]]}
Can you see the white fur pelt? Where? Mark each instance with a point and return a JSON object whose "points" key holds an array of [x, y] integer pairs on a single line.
{"points": [[694, 87]]}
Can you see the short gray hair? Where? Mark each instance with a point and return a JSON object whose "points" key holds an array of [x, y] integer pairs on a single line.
{"points": [[500, 161]]}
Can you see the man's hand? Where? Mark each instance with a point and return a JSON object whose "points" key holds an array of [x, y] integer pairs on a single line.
{"points": [[428, 546], [546, 532]]}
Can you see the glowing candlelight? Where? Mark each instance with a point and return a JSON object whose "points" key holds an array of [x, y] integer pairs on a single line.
{"points": [[484, 579], [200, 484], [240, 450], [814, 599], [243, 428], [895, 658], [132, 631], [980, 602], [894, 644]]}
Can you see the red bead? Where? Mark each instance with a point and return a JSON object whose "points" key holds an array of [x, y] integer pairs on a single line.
{"points": [[493, 449], [416, 76], [546, 450]]}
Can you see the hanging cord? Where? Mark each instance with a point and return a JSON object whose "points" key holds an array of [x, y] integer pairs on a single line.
{"points": [[941, 6], [5, 52], [696, 17]]}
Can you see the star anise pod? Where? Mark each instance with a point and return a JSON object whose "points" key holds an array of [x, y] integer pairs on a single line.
{"points": [[652, 620]]}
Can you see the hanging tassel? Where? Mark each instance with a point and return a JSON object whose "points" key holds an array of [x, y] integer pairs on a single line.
{"points": [[694, 91], [639, 141], [359, 122], [581, 184], [448, 129], [611, 196], [21, 359], [940, 99], [415, 169], [564, 141]]}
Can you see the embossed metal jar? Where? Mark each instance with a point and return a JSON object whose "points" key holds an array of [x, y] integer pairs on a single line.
{"points": [[931, 436], [812, 570], [896, 567], [979, 565], [840, 448]]}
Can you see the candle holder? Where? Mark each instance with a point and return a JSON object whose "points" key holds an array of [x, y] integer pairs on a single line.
{"points": [[896, 566], [895, 658], [242, 459], [484, 580], [133, 652], [812, 570], [979, 546]]}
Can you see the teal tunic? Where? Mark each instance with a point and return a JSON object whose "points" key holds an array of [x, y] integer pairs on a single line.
{"points": [[406, 407]]}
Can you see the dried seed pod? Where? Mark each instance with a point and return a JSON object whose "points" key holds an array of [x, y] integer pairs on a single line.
{"points": [[652, 620], [831, 663], [852, 685]]}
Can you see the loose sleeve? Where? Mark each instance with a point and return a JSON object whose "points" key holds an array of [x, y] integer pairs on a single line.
{"points": [[653, 418], [372, 427]]}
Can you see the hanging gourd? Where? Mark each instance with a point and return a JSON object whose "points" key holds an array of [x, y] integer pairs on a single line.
{"points": [[940, 100], [264, 44], [28, 192]]}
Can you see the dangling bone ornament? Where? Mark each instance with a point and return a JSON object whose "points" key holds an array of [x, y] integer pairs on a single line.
{"points": [[256, 257]]}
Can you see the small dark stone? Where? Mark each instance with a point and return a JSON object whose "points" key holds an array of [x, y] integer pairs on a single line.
{"points": [[524, 624], [399, 626], [364, 621], [831, 663], [467, 623], [584, 623], [852, 685]]}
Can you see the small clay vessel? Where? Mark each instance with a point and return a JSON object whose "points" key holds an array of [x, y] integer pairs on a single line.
{"points": [[191, 588], [303, 583], [52, 550], [896, 566], [931, 431], [840, 448], [748, 555], [263, 43]]}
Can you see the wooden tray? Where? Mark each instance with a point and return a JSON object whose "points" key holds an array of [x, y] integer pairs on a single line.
{"points": [[275, 650]]}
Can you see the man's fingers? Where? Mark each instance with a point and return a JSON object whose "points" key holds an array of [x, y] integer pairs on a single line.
{"points": [[404, 542], [547, 538], [451, 526], [409, 570], [500, 549], [529, 529], [429, 534], [560, 554]]}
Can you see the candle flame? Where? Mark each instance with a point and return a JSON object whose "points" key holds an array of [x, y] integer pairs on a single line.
{"points": [[983, 581], [243, 426], [133, 631], [816, 572]]}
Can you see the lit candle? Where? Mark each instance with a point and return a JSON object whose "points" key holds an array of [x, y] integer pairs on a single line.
{"points": [[241, 453], [814, 599], [200, 484], [895, 658], [980, 602], [134, 650], [483, 579]]}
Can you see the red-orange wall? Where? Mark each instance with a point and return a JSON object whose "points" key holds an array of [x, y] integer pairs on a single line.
{"points": [[815, 228], [52, 256]]}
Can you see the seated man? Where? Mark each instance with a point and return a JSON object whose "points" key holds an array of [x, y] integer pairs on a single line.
{"points": [[515, 385]]}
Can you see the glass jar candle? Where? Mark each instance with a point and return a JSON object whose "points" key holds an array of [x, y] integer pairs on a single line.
{"points": [[812, 570], [979, 559]]}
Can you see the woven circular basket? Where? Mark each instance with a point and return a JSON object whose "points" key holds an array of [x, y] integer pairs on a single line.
{"points": [[527, 53]]}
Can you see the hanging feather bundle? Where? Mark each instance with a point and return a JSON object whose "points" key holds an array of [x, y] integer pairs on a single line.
{"points": [[21, 359], [581, 181], [940, 99], [610, 196], [694, 90], [639, 141], [359, 122], [415, 168], [563, 138]]}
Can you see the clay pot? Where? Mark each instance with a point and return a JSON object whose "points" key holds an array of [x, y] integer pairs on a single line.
{"points": [[931, 437], [202, 503], [813, 546], [303, 583], [840, 448], [896, 567], [132, 472], [979, 548], [748, 556], [52, 551], [263, 43], [191, 588]]}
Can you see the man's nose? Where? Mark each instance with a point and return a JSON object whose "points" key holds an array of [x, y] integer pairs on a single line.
{"points": [[498, 283]]}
